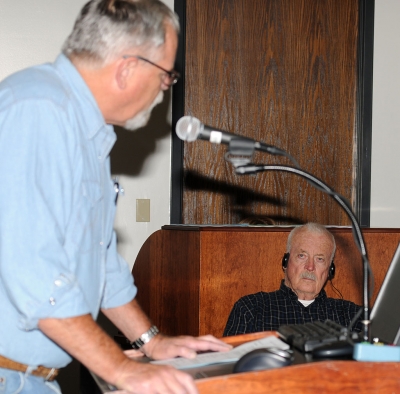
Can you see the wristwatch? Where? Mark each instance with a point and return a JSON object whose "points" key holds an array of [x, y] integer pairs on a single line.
{"points": [[145, 338]]}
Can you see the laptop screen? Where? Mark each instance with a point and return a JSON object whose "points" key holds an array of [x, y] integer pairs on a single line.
{"points": [[385, 314]]}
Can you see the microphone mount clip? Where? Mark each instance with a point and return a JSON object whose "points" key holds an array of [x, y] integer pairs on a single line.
{"points": [[240, 152]]}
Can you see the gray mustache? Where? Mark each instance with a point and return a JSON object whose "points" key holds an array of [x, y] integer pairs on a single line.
{"points": [[308, 275]]}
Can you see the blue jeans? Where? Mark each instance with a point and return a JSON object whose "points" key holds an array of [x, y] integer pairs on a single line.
{"points": [[13, 382]]}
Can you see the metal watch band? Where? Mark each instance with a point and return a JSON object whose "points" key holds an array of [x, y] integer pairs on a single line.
{"points": [[145, 338]]}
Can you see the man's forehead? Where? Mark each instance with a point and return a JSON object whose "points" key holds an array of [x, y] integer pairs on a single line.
{"points": [[305, 241]]}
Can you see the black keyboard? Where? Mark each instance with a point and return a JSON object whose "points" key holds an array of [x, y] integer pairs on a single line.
{"points": [[310, 336]]}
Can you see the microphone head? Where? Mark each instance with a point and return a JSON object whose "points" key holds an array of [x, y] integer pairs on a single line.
{"points": [[188, 128]]}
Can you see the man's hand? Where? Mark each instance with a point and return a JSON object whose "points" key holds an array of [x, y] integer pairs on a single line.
{"points": [[143, 378], [133, 322], [162, 347], [88, 343]]}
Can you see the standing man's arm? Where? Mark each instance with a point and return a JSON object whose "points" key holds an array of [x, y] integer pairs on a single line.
{"points": [[83, 339]]}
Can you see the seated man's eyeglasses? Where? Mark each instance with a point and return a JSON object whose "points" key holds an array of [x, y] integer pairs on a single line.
{"points": [[169, 78]]}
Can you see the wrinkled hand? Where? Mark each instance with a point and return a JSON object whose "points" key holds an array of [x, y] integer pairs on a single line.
{"points": [[163, 347], [144, 378]]}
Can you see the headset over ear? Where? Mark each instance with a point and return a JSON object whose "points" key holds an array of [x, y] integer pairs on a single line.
{"points": [[332, 268], [285, 260]]}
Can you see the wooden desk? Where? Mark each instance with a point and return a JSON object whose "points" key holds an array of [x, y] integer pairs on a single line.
{"points": [[189, 277], [323, 377]]}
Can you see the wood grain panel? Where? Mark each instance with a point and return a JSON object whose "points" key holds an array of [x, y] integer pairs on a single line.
{"points": [[324, 377], [283, 72], [167, 283], [188, 280], [342, 376]]}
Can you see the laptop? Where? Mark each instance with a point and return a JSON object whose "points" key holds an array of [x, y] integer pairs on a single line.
{"points": [[385, 314]]}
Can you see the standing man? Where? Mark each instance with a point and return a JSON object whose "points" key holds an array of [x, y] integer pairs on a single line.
{"points": [[307, 265], [58, 260]]}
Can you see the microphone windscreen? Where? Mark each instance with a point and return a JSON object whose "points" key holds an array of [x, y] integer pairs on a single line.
{"points": [[188, 128]]}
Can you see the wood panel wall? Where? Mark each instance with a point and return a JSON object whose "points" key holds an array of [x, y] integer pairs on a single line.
{"points": [[189, 277], [283, 72]]}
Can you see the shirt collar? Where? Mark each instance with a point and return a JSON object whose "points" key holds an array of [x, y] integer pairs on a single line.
{"points": [[78, 87], [94, 125]]}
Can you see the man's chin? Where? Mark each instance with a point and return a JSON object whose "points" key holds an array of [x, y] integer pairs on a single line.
{"points": [[142, 118], [308, 286], [137, 122]]}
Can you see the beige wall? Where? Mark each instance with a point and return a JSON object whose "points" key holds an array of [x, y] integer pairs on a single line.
{"points": [[32, 32], [385, 188]]}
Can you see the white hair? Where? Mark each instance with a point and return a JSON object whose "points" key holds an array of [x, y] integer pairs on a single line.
{"points": [[106, 28]]}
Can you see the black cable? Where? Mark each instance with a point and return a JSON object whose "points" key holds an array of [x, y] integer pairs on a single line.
{"points": [[336, 290], [277, 152]]}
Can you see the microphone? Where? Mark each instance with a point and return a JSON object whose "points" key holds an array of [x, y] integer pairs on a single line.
{"points": [[189, 128]]}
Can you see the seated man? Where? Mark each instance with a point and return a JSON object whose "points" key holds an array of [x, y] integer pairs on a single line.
{"points": [[307, 265]]}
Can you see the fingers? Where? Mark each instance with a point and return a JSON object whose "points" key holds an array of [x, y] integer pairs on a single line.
{"points": [[180, 382], [183, 346], [204, 343], [155, 379], [221, 345], [185, 351]]}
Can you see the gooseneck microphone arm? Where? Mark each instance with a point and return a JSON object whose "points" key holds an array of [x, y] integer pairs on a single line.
{"points": [[251, 169]]}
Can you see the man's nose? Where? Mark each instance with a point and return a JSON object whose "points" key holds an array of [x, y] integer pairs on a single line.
{"points": [[310, 265], [164, 86]]}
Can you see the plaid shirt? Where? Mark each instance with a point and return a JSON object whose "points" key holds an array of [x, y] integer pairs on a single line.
{"points": [[267, 311]]}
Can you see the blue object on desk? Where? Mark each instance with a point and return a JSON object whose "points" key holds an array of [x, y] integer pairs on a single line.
{"points": [[376, 352]]}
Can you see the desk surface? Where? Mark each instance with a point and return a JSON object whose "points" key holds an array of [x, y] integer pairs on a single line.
{"points": [[319, 377]]}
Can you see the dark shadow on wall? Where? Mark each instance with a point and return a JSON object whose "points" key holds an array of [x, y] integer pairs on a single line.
{"points": [[241, 197], [133, 147]]}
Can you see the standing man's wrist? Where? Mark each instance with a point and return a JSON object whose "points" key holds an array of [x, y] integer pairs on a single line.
{"points": [[145, 338]]}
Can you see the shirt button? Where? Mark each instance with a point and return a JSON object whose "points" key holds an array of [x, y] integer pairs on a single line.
{"points": [[101, 243], [52, 301], [58, 282]]}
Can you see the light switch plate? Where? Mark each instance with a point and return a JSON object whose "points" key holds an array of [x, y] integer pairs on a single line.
{"points": [[143, 210]]}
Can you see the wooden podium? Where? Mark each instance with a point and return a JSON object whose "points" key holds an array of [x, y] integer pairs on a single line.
{"points": [[189, 277], [321, 377]]}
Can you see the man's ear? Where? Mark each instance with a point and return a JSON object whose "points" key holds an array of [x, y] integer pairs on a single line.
{"points": [[124, 71]]}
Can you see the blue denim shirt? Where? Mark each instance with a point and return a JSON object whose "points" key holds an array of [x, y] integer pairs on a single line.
{"points": [[58, 253]]}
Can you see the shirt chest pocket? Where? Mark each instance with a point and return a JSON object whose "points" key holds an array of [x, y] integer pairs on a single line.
{"points": [[88, 217]]}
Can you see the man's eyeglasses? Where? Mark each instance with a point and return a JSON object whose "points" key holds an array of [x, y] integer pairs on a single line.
{"points": [[169, 78]]}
